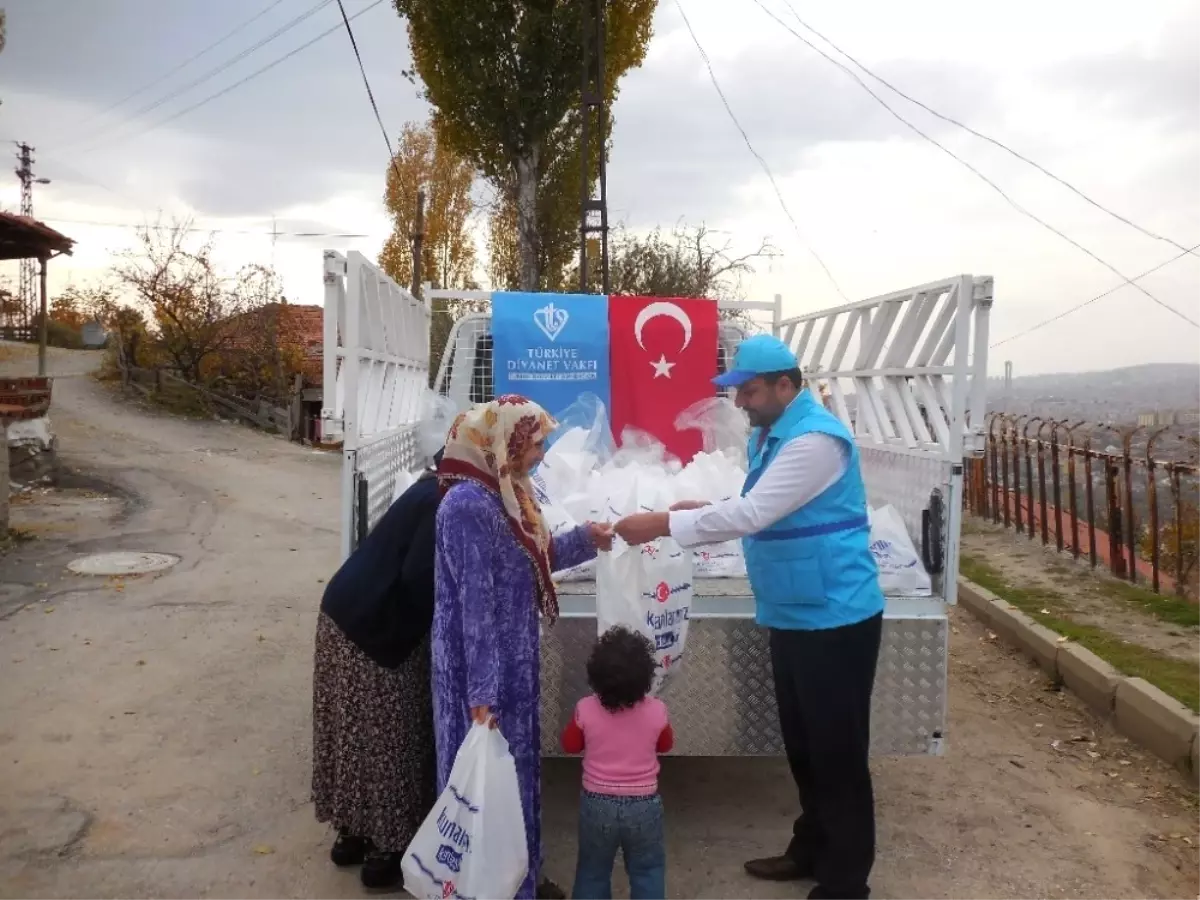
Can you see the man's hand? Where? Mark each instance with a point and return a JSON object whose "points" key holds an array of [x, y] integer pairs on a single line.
{"points": [[688, 504], [601, 534], [642, 527], [482, 715]]}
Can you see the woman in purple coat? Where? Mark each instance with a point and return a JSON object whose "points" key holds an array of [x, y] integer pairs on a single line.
{"points": [[493, 564]]}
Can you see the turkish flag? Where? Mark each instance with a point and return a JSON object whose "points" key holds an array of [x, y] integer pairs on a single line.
{"points": [[662, 359]]}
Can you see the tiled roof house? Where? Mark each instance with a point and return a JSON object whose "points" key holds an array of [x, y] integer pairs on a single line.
{"points": [[300, 326]]}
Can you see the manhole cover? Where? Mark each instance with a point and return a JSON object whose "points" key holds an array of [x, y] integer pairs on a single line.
{"points": [[123, 562]]}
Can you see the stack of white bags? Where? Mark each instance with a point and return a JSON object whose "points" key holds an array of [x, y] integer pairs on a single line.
{"points": [[585, 478]]}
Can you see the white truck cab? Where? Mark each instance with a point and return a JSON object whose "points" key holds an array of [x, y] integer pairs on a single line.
{"points": [[907, 372]]}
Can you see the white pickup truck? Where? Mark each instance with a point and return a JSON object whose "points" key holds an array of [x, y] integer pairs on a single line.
{"points": [[907, 371]]}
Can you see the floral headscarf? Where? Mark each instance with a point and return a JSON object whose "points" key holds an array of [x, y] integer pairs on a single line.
{"points": [[485, 446]]}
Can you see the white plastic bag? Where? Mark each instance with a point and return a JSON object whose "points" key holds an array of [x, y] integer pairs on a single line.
{"points": [[648, 588], [723, 560], [723, 427], [437, 415], [404, 480], [901, 572], [473, 843]]}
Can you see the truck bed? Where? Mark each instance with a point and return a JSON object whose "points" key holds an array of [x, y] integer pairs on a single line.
{"points": [[722, 698]]}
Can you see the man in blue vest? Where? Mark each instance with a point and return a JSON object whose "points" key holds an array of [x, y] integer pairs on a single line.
{"points": [[802, 518]]}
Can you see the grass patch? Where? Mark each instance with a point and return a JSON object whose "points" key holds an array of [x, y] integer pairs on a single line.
{"points": [[1166, 607], [1179, 678]]}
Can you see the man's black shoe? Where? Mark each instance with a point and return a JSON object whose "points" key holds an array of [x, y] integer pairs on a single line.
{"points": [[778, 868], [548, 890]]}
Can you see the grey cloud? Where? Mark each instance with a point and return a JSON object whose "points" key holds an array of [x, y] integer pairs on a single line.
{"points": [[677, 153], [1163, 85], [305, 130], [298, 133]]}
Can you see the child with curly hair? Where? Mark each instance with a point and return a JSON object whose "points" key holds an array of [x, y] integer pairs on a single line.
{"points": [[620, 730]]}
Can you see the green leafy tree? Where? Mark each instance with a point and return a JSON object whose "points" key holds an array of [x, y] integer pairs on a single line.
{"points": [[503, 77]]}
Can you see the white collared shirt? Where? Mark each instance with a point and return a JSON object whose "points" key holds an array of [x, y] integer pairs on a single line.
{"points": [[802, 470]]}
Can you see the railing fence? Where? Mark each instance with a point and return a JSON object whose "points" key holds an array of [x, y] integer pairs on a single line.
{"points": [[1112, 516]]}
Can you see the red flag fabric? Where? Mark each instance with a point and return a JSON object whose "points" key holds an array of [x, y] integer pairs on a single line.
{"points": [[662, 359]]}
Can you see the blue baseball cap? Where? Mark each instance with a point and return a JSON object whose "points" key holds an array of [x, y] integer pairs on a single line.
{"points": [[756, 356]]}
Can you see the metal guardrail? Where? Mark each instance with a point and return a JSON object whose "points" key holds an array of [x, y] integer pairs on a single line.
{"points": [[1022, 482]]}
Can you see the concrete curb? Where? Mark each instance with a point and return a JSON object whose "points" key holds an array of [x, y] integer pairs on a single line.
{"points": [[1144, 714]]}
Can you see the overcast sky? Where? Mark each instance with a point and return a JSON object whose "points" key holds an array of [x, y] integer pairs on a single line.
{"points": [[1104, 94]]}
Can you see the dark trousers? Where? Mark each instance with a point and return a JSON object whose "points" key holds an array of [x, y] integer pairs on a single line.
{"points": [[823, 682]]}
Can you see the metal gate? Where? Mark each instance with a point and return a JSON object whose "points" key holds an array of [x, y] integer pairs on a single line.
{"points": [[908, 373], [376, 372]]}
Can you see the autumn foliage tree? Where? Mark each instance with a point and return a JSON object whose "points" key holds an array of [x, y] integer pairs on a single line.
{"points": [[1178, 544], [189, 301], [503, 77], [71, 308], [263, 353], [423, 162]]}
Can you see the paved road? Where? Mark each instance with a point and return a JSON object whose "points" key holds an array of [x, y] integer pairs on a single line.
{"points": [[154, 733]]}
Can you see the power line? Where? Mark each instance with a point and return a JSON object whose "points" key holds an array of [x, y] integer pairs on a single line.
{"points": [[999, 190], [212, 73], [762, 162], [1186, 252], [84, 177], [367, 85], [191, 59], [251, 76], [297, 234], [984, 137]]}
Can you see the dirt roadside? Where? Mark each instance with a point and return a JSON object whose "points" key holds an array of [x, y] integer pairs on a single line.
{"points": [[154, 739], [1090, 597]]}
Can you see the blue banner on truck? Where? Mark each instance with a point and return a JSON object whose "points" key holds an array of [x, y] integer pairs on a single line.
{"points": [[550, 347]]}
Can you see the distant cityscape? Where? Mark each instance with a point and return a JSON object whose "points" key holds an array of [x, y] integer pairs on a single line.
{"points": [[1160, 400]]}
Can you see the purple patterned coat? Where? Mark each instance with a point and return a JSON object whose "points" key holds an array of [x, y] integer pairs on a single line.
{"points": [[486, 640]]}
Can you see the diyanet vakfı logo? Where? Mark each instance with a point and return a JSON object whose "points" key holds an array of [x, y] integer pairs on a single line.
{"points": [[552, 320]]}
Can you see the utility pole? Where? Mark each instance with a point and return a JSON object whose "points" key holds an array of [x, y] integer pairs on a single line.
{"points": [[593, 210], [418, 243], [27, 290]]}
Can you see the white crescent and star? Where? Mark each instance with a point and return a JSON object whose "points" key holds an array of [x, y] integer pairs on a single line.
{"points": [[662, 368]]}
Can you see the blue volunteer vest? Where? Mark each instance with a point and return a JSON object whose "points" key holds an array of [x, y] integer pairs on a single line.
{"points": [[812, 569]]}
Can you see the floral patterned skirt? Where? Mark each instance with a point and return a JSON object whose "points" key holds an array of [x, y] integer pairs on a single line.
{"points": [[374, 758]]}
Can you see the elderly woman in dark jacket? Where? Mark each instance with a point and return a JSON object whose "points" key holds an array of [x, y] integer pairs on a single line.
{"points": [[374, 764]]}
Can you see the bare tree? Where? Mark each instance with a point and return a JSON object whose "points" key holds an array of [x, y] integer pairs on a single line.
{"points": [[187, 298], [683, 263]]}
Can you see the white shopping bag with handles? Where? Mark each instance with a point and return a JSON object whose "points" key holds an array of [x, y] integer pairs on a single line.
{"points": [[901, 572], [473, 843], [648, 588]]}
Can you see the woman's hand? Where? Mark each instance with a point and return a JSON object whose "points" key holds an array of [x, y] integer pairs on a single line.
{"points": [[601, 534], [482, 715], [688, 504]]}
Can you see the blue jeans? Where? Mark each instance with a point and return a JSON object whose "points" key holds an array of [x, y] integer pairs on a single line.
{"points": [[633, 824]]}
